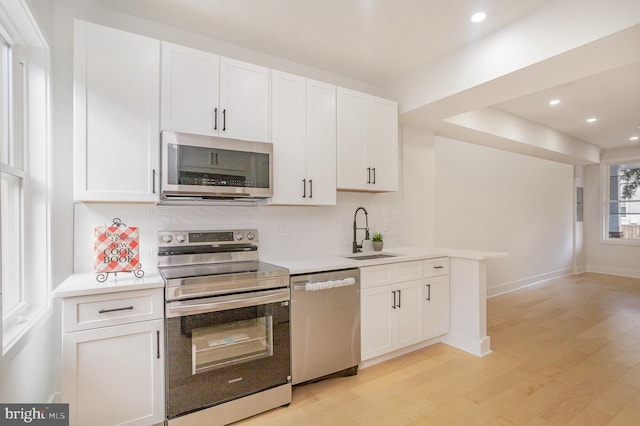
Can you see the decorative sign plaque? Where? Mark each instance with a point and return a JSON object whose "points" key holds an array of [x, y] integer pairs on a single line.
{"points": [[116, 249]]}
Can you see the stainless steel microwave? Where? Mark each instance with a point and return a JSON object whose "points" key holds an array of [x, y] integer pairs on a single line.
{"points": [[200, 168]]}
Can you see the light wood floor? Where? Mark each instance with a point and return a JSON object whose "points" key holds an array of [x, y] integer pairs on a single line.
{"points": [[566, 352]]}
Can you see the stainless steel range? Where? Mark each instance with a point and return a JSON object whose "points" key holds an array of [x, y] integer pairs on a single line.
{"points": [[227, 327]]}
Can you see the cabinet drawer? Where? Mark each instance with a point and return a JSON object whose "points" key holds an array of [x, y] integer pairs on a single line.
{"points": [[436, 267], [373, 276], [102, 310]]}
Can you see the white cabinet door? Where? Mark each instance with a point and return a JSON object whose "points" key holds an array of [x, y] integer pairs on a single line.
{"points": [[114, 375], [367, 131], [190, 90], [377, 322], [408, 311], [207, 94], [352, 122], [382, 144], [436, 306], [116, 115], [304, 141], [289, 144], [244, 101], [321, 143], [391, 317]]}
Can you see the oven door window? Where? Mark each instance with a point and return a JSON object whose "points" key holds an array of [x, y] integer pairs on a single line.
{"points": [[224, 345]]}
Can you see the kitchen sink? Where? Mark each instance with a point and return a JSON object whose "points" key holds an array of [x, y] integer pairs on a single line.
{"points": [[371, 256]]}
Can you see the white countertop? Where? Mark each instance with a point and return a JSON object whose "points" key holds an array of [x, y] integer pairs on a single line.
{"points": [[305, 264], [86, 284]]}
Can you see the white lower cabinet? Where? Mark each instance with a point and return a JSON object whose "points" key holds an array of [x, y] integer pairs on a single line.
{"points": [[436, 297], [403, 304], [114, 374], [392, 312], [436, 306]]}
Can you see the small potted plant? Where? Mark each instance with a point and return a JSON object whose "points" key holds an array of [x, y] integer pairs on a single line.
{"points": [[377, 241]]}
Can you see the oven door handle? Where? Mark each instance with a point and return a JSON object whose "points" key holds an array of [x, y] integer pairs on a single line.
{"points": [[180, 309]]}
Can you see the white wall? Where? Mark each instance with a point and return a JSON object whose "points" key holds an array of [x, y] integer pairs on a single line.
{"points": [[418, 185], [494, 200], [606, 257]]}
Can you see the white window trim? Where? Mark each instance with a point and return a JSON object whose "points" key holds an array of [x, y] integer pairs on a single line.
{"points": [[604, 202], [19, 27]]}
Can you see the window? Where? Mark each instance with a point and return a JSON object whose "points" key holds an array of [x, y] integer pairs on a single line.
{"points": [[11, 207], [622, 209], [24, 209]]}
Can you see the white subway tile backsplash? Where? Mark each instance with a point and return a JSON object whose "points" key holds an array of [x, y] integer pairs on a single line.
{"points": [[283, 230]]}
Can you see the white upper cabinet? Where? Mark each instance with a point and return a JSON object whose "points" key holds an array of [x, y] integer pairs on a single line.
{"points": [[207, 94], [116, 115], [244, 101], [190, 90], [304, 140], [367, 129]]}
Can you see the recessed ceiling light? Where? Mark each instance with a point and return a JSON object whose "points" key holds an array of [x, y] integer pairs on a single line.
{"points": [[554, 102], [634, 138], [478, 17], [592, 120]]}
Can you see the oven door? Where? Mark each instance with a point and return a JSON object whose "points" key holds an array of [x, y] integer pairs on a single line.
{"points": [[226, 347]]}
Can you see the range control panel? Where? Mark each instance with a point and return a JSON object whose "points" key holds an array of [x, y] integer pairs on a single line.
{"points": [[207, 238]]}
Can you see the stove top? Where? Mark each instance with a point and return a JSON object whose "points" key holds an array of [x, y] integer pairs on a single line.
{"points": [[196, 264]]}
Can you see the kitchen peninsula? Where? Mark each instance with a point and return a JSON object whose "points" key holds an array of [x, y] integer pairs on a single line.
{"points": [[468, 289]]}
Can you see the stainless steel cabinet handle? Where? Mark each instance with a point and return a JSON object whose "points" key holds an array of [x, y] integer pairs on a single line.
{"points": [[158, 344], [153, 181], [428, 291], [104, 311], [438, 267], [224, 120], [374, 175], [368, 174], [399, 298], [394, 299], [310, 188], [215, 119], [304, 188]]}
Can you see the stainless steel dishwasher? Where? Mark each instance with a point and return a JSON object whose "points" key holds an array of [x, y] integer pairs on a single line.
{"points": [[325, 325]]}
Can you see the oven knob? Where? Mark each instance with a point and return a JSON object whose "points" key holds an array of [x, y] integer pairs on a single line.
{"points": [[167, 238], [250, 236], [181, 238], [239, 236]]}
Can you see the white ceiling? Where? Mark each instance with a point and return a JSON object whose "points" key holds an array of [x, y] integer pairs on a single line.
{"points": [[380, 41]]}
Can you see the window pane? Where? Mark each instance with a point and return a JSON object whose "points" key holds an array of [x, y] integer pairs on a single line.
{"points": [[624, 220], [624, 182], [10, 231]]}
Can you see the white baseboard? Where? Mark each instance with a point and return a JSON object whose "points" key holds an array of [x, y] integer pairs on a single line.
{"points": [[481, 347], [613, 270], [499, 289]]}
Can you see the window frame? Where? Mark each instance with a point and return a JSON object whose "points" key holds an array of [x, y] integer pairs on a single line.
{"points": [[30, 95], [605, 200]]}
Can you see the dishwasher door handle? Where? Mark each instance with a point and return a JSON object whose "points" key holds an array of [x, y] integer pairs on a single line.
{"points": [[323, 285]]}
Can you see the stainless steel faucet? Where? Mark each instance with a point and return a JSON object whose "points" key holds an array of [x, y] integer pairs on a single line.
{"points": [[358, 247]]}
